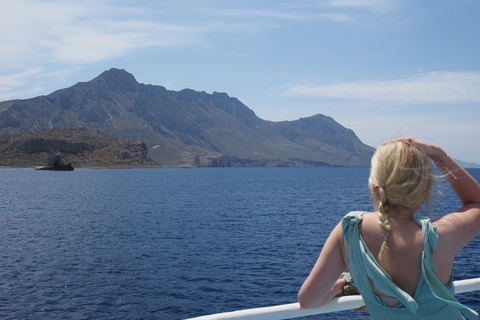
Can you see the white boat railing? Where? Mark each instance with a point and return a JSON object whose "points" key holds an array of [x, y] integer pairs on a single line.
{"points": [[293, 310]]}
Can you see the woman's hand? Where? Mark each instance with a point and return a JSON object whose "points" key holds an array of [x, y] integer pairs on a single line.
{"points": [[433, 151], [364, 308]]}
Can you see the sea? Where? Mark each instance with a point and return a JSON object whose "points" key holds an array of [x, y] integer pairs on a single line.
{"points": [[176, 243]]}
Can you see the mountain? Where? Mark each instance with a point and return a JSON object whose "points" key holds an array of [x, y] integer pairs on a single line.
{"points": [[186, 127]]}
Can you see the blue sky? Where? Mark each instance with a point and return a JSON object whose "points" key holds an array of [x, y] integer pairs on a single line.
{"points": [[383, 68]]}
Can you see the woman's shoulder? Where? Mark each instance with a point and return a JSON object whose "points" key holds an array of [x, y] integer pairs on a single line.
{"points": [[369, 218], [357, 214], [355, 219]]}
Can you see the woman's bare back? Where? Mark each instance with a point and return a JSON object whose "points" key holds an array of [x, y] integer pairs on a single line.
{"points": [[405, 249]]}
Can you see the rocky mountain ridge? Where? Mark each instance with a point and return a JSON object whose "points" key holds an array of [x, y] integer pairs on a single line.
{"points": [[185, 128]]}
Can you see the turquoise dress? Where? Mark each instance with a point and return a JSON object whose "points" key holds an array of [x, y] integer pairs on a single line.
{"points": [[431, 300]]}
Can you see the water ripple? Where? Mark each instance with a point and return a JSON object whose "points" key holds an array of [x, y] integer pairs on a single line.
{"points": [[170, 244]]}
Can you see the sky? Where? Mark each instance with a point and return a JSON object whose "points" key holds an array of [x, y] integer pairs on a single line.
{"points": [[384, 68]]}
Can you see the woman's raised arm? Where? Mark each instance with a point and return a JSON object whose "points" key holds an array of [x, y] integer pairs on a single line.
{"points": [[459, 228]]}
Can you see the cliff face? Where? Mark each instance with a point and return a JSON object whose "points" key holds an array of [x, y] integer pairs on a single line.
{"points": [[185, 127], [82, 147]]}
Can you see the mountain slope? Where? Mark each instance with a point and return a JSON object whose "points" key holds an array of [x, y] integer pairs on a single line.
{"points": [[185, 127]]}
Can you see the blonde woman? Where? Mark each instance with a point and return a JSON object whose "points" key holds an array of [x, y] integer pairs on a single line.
{"points": [[401, 263]]}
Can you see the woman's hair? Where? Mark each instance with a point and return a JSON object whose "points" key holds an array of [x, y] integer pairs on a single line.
{"points": [[401, 175]]}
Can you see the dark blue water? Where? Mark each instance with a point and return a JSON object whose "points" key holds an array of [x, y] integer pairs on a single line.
{"points": [[174, 243]]}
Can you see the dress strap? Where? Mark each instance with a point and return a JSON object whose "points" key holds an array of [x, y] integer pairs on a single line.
{"points": [[430, 240]]}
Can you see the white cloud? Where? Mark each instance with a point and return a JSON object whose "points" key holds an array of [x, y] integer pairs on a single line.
{"points": [[333, 10], [435, 87], [378, 6], [339, 17], [61, 74], [10, 82], [92, 44], [79, 32], [84, 32], [298, 12], [29, 82]]}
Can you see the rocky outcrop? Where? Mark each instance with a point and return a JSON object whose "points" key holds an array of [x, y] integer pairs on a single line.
{"points": [[82, 147], [57, 163]]}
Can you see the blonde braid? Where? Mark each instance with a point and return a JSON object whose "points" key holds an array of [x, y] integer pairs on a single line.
{"points": [[384, 217]]}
